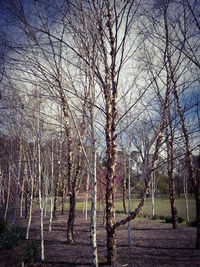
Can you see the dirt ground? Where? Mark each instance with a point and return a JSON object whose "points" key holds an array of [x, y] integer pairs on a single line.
{"points": [[154, 244]]}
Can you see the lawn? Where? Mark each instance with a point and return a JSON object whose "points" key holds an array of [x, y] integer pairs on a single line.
{"points": [[162, 207]]}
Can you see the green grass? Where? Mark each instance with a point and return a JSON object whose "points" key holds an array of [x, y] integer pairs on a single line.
{"points": [[162, 207]]}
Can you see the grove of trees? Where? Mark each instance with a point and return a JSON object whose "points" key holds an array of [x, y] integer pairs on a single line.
{"points": [[102, 98]]}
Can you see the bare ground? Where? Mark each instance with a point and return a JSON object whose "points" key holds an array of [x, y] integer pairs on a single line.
{"points": [[154, 244]]}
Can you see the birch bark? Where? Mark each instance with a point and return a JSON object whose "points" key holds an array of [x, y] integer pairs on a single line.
{"points": [[40, 201], [8, 191], [18, 181], [51, 186], [32, 172]]}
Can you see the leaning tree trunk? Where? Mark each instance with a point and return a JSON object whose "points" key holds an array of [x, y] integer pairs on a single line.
{"points": [[74, 181], [170, 135], [194, 179], [8, 190], [153, 163]]}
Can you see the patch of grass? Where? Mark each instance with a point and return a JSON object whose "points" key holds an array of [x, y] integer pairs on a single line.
{"points": [[162, 207]]}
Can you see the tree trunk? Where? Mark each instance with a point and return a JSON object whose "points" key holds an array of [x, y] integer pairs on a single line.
{"points": [[22, 197], [94, 183], [195, 180], [110, 94], [94, 210], [197, 196], [124, 183], [192, 176], [153, 189], [129, 198], [41, 204], [170, 167], [86, 195], [178, 186], [51, 186], [71, 218], [18, 181], [8, 191], [72, 194], [32, 172], [63, 195], [185, 188], [58, 176], [1, 182]]}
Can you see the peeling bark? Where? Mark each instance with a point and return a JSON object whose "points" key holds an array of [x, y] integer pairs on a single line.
{"points": [[170, 167]]}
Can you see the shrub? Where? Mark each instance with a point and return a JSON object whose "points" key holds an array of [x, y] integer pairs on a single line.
{"points": [[119, 211], [193, 223], [11, 237], [155, 217], [180, 219], [168, 219], [3, 226], [162, 217], [30, 254]]}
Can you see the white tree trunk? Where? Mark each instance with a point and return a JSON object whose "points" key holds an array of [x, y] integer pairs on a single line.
{"points": [[94, 185], [153, 189], [94, 210], [52, 182], [8, 192], [31, 197], [17, 182], [22, 198], [46, 184], [40, 197], [1, 187], [86, 195], [185, 186], [129, 201]]}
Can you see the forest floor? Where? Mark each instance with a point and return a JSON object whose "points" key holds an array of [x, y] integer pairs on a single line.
{"points": [[154, 244]]}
